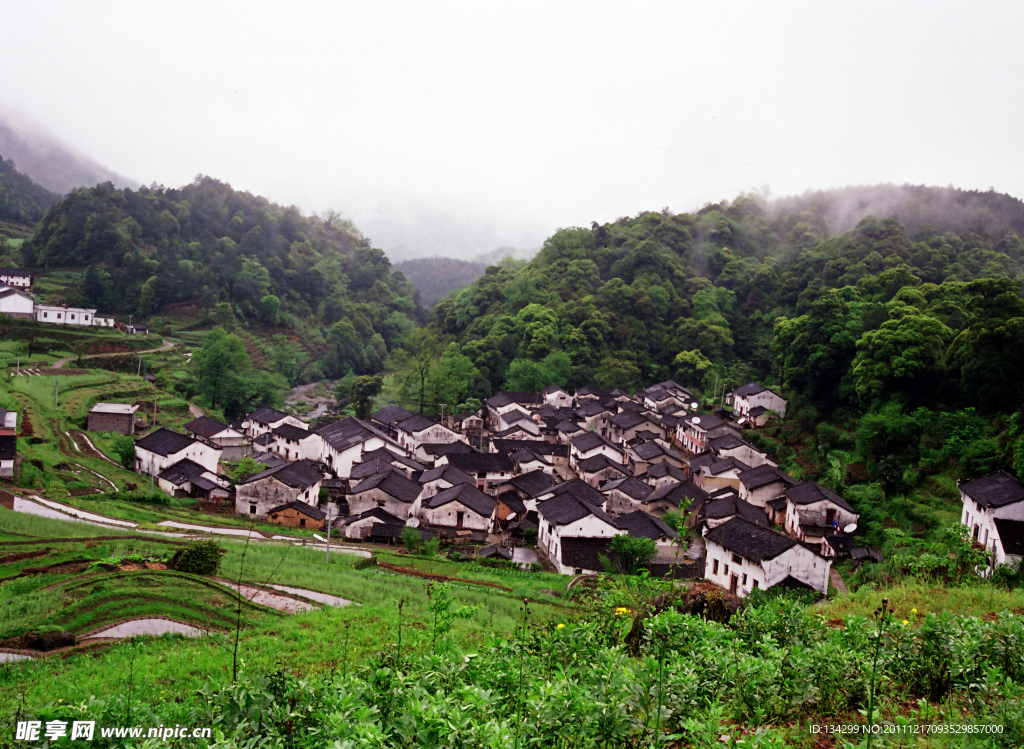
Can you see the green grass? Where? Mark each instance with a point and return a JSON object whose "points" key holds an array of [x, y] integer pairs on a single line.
{"points": [[966, 601]]}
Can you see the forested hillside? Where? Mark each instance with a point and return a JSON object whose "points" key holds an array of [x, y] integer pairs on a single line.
{"points": [[22, 201], [435, 277], [241, 258], [741, 290]]}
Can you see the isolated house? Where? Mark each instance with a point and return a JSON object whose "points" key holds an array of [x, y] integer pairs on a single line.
{"points": [[103, 320], [747, 397], [625, 495], [566, 516], [993, 511], [16, 278], [742, 556], [61, 315], [112, 417], [461, 507], [233, 443], [390, 491], [8, 442], [764, 483], [163, 448], [298, 481], [14, 303]]}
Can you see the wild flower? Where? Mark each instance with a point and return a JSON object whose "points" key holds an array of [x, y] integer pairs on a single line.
{"points": [[560, 626], [914, 612], [621, 611]]}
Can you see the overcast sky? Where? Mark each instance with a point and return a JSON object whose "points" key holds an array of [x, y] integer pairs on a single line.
{"points": [[468, 125]]}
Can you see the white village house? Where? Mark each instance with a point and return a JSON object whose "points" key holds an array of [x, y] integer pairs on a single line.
{"points": [[993, 511], [163, 448]]}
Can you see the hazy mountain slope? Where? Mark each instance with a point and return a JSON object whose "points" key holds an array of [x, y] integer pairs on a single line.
{"points": [[53, 165], [435, 277], [22, 201]]}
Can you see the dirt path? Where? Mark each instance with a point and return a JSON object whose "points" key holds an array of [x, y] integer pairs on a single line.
{"points": [[195, 410], [61, 362], [837, 581], [267, 597], [136, 627], [313, 595]]}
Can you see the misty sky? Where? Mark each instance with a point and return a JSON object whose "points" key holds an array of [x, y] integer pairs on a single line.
{"points": [[453, 128]]}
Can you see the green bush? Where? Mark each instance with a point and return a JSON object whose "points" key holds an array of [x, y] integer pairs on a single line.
{"points": [[199, 558]]}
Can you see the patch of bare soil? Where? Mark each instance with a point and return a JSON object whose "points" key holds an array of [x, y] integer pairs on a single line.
{"points": [[22, 556], [437, 578]]}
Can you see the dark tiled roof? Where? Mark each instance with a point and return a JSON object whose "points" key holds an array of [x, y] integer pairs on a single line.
{"points": [[809, 492], [566, 508], [382, 453], [757, 411], [393, 484], [386, 530], [390, 415], [349, 432], [661, 470], [495, 551], [265, 415], [726, 442], [591, 409], [590, 441], [445, 448], [598, 463], [533, 483], [1011, 535], [513, 430], [649, 450], [628, 419], [641, 525], [300, 474], [468, 496], [726, 464], [265, 440], [577, 488], [706, 422], [514, 503], [749, 540], [523, 455], [842, 544], [751, 388], [630, 486], [204, 426], [681, 494], [449, 473], [552, 389], [270, 460], [333, 483], [181, 471], [313, 512], [370, 468], [474, 462], [415, 423], [764, 475], [779, 503], [290, 432], [7, 271], [727, 507], [377, 513], [164, 442], [994, 490]]}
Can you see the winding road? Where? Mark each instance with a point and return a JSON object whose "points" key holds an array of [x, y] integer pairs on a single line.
{"points": [[61, 362]]}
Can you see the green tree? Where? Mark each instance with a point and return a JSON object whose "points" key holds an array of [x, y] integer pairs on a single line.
{"points": [[364, 389], [634, 553], [270, 309], [412, 364], [124, 449], [218, 366]]}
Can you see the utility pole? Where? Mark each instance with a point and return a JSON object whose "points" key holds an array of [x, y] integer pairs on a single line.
{"points": [[327, 550], [138, 374], [19, 364], [56, 393]]}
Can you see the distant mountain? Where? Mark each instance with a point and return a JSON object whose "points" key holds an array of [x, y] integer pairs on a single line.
{"points": [[53, 165], [435, 277], [22, 201], [500, 253]]}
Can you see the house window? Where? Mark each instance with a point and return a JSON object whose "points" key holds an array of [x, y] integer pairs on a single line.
{"points": [[725, 570], [252, 508], [744, 580], [736, 559], [302, 522], [714, 568], [46, 314], [755, 584]]}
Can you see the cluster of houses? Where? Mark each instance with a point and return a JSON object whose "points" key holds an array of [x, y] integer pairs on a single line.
{"points": [[567, 472], [16, 301]]}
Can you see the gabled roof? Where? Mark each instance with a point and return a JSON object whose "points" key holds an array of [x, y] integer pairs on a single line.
{"points": [[305, 509], [382, 453], [265, 415], [533, 483], [764, 475], [393, 484], [599, 462], [994, 490], [704, 422], [468, 496], [649, 450], [568, 427], [577, 488], [730, 506], [567, 508], [494, 550], [506, 397], [522, 455], [349, 432], [181, 472], [437, 449], [449, 473], [550, 389], [591, 408], [666, 469], [751, 388], [538, 447], [750, 540], [641, 525], [265, 440], [8, 271], [290, 432], [376, 513], [723, 465], [627, 419], [164, 442], [514, 503], [809, 492], [270, 460], [475, 462], [370, 468], [390, 415], [299, 474], [1011, 536], [204, 426], [681, 494], [415, 424], [631, 486], [728, 442], [591, 441]]}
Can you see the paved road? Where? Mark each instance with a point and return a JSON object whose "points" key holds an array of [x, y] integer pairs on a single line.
{"points": [[61, 362], [837, 581]]}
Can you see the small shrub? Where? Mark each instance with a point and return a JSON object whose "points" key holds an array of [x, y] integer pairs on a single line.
{"points": [[198, 558]]}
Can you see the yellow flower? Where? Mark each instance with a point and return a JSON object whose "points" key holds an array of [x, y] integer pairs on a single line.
{"points": [[914, 612], [621, 611], [905, 622], [560, 626]]}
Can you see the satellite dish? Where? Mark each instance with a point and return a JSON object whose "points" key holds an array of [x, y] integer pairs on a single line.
{"points": [[511, 516], [413, 522], [850, 528], [319, 538], [695, 420]]}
